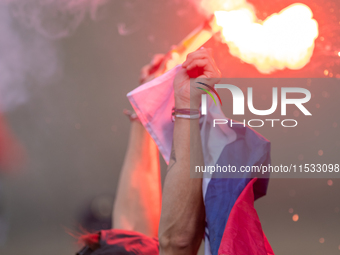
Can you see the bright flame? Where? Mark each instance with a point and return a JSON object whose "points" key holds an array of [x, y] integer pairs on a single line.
{"points": [[283, 40]]}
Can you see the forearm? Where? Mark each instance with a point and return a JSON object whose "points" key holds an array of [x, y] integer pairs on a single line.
{"points": [[138, 201], [182, 219]]}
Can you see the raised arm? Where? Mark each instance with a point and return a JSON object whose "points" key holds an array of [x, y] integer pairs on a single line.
{"points": [[138, 201], [183, 216]]}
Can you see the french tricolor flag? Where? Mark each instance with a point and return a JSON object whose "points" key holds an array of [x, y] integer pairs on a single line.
{"points": [[232, 224]]}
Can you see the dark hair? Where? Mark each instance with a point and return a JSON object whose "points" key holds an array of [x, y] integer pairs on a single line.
{"points": [[90, 240]]}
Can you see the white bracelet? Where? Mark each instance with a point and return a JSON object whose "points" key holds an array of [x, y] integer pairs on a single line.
{"points": [[185, 116]]}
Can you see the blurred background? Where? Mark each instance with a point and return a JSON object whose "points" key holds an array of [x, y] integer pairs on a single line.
{"points": [[65, 70]]}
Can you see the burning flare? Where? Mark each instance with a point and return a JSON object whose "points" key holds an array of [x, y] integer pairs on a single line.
{"points": [[283, 40]]}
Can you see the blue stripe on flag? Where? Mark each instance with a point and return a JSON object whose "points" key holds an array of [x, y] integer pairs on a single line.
{"points": [[249, 149]]}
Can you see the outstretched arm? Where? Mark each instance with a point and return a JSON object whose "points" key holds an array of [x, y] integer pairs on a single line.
{"points": [[138, 201], [183, 216]]}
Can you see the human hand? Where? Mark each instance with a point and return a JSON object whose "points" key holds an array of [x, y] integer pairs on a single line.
{"points": [[148, 71], [199, 64]]}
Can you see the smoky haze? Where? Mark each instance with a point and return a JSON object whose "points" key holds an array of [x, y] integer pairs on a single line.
{"points": [[29, 33], [64, 86]]}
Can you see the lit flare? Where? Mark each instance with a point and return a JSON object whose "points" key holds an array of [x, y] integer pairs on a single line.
{"points": [[283, 40]]}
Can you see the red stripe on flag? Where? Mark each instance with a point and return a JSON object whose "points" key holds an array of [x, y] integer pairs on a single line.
{"points": [[243, 234]]}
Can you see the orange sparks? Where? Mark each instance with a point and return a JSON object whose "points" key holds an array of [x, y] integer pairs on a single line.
{"points": [[295, 217]]}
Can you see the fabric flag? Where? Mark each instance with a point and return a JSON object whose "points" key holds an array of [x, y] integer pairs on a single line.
{"points": [[223, 145], [244, 236]]}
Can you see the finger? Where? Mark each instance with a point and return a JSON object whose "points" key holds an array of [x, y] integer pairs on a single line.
{"points": [[195, 55], [199, 54], [210, 51], [190, 60], [144, 73], [149, 69], [157, 59], [205, 67], [156, 63]]}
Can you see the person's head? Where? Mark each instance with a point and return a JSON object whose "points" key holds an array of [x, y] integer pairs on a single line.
{"points": [[118, 242]]}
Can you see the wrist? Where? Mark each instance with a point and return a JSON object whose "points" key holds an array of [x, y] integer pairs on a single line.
{"points": [[187, 104], [185, 113]]}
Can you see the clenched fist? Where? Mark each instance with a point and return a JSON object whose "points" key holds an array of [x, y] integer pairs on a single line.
{"points": [[199, 64]]}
